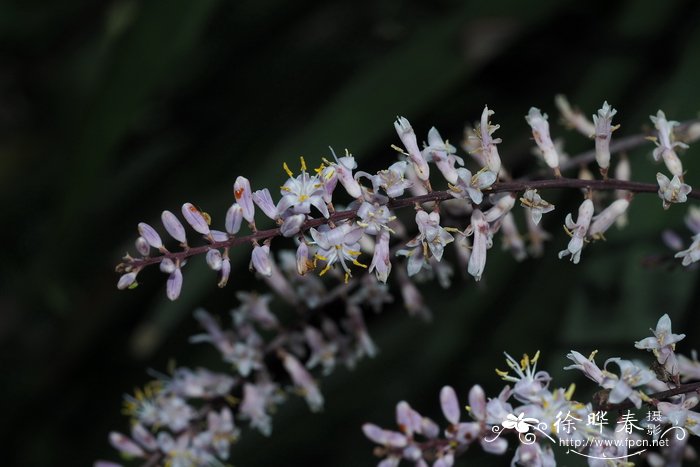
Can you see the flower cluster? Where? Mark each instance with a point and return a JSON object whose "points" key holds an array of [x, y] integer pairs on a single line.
{"points": [[338, 241], [605, 431]]}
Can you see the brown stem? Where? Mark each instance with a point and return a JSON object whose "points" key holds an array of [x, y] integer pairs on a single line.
{"points": [[513, 187]]}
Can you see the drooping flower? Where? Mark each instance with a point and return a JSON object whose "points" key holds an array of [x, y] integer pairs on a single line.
{"points": [[244, 197], [391, 180], [607, 217], [577, 231], [381, 262], [431, 234], [622, 387], [482, 241], [665, 145]]}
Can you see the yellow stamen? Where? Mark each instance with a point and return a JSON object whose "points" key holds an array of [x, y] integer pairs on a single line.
{"points": [[501, 373], [354, 252], [303, 198], [357, 263], [347, 277], [303, 163], [570, 392], [325, 270], [286, 169], [535, 358], [322, 258]]}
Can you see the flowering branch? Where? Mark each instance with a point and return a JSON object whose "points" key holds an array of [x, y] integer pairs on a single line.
{"points": [[188, 416]]}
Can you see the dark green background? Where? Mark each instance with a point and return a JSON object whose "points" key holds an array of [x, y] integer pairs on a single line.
{"points": [[113, 111]]}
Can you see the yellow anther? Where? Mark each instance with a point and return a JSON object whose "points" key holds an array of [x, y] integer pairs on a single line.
{"points": [[398, 149], [353, 252], [524, 362], [286, 169], [303, 163], [570, 392], [568, 232], [322, 258], [501, 373], [303, 198], [536, 357], [325, 270], [285, 188], [592, 355], [468, 407], [357, 263], [347, 277]]}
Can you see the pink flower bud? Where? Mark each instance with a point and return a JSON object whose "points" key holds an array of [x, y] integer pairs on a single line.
{"points": [[292, 225], [234, 217], [244, 197], [195, 218], [126, 281], [224, 272], [142, 246], [260, 260], [450, 405], [150, 235], [214, 259], [174, 284], [174, 227], [167, 266]]}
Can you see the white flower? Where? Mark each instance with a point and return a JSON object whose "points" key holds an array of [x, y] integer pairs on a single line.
{"points": [[574, 118], [374, 218], [531, 199], [540, 131], [630, 377], [603, 133], [692, 254], [339, 245], [469, 186], [607, 217], [301, 192], [381, 263], [577, 231], [408, 138], [672, 191], [665, 146], [482, 242], [431, 233], [391, 180], [663, 336], [442, 154]]}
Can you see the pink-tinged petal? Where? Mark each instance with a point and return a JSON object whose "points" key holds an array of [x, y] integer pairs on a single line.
{"points": [[477, 402], [408, 420], [264, 201], [429, 428], [260, 260], [126, 281], [125, 445], [224, 272], [174, 284], [150, 235], [234, 217], [214, 259], [302, 256], [450, 404], [218, 235], [144, 437], [497, 446], [384, 437], [174, 227], [195, 218], [244, 197], [292, 225], [144, 248]]}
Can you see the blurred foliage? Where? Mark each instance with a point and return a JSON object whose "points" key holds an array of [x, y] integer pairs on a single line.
{"points": [[114, 111]]}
